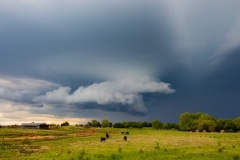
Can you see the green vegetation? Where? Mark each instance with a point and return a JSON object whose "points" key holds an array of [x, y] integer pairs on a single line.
{"points": [[187, 122], [157, 124], [196, 136], [205, 122], [78, 143], [66, 123], [95, 123], [106, 123]]}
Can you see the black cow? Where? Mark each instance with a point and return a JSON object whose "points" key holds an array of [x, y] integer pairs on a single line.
{"points": [[102, 139], [125, 138], [127, 133], [107, 135]]}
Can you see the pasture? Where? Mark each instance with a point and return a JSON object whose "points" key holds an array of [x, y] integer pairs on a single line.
{"points": [[74, 143]]}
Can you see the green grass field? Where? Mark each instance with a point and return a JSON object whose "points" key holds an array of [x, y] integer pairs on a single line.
{"points": [[72, 143]]}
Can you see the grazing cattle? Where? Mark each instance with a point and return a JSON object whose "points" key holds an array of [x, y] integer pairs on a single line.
{"points": [[102, 139], [107, 135], [125, 138], [122, 132]]}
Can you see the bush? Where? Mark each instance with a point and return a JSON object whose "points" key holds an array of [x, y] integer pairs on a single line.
{"points": [[66, 123], [140, 150]]}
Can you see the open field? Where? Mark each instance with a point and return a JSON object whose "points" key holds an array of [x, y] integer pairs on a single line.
{"points": [[72, 143]]}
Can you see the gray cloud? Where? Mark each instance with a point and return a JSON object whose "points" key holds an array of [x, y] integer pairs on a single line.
{"points": [[66, 49], [80, 37], [23, 90]]}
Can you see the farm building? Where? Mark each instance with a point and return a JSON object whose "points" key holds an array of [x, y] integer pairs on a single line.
{"points": [[35, 125]]}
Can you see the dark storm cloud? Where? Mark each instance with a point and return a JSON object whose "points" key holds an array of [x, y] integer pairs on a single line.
{"points": [[133, 34], [215, 92], [110, 108], [86, 53]]}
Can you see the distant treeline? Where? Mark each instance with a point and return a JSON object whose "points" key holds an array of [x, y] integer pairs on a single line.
{"points": [[157, 124], [187, 122]]}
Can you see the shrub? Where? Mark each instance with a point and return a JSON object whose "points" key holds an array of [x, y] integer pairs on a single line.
{"points": [[120, 149], [220, 150], [140, 150], [115, 156], [157, 146]]}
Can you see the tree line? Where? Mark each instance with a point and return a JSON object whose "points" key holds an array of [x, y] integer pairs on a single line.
{"points": [[128, 124], [187, 122], [156, 124], [205, 122]]}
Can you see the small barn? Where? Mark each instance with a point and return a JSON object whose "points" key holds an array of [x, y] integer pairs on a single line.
{"points": [[35, 125]]}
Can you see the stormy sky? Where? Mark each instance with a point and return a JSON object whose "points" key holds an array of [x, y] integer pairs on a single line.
{"points": [[125, 60]]}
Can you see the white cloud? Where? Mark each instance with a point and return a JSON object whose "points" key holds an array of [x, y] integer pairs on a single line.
{"points": [[23, 83], [125, 91], [19, 88]]}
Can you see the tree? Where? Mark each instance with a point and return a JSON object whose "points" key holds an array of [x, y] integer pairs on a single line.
{"points": [[65, 123], [110, 124], [147, 124], [166, 126], [237, 123], [227, 125], [170, 126], [193, 121], [139, 125], [106, 123], [188, 121], [117, 125], [220, 125], [88, 125], [134, 124], [206, 122], [126, 124], [95, 123], [157, 124]]}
